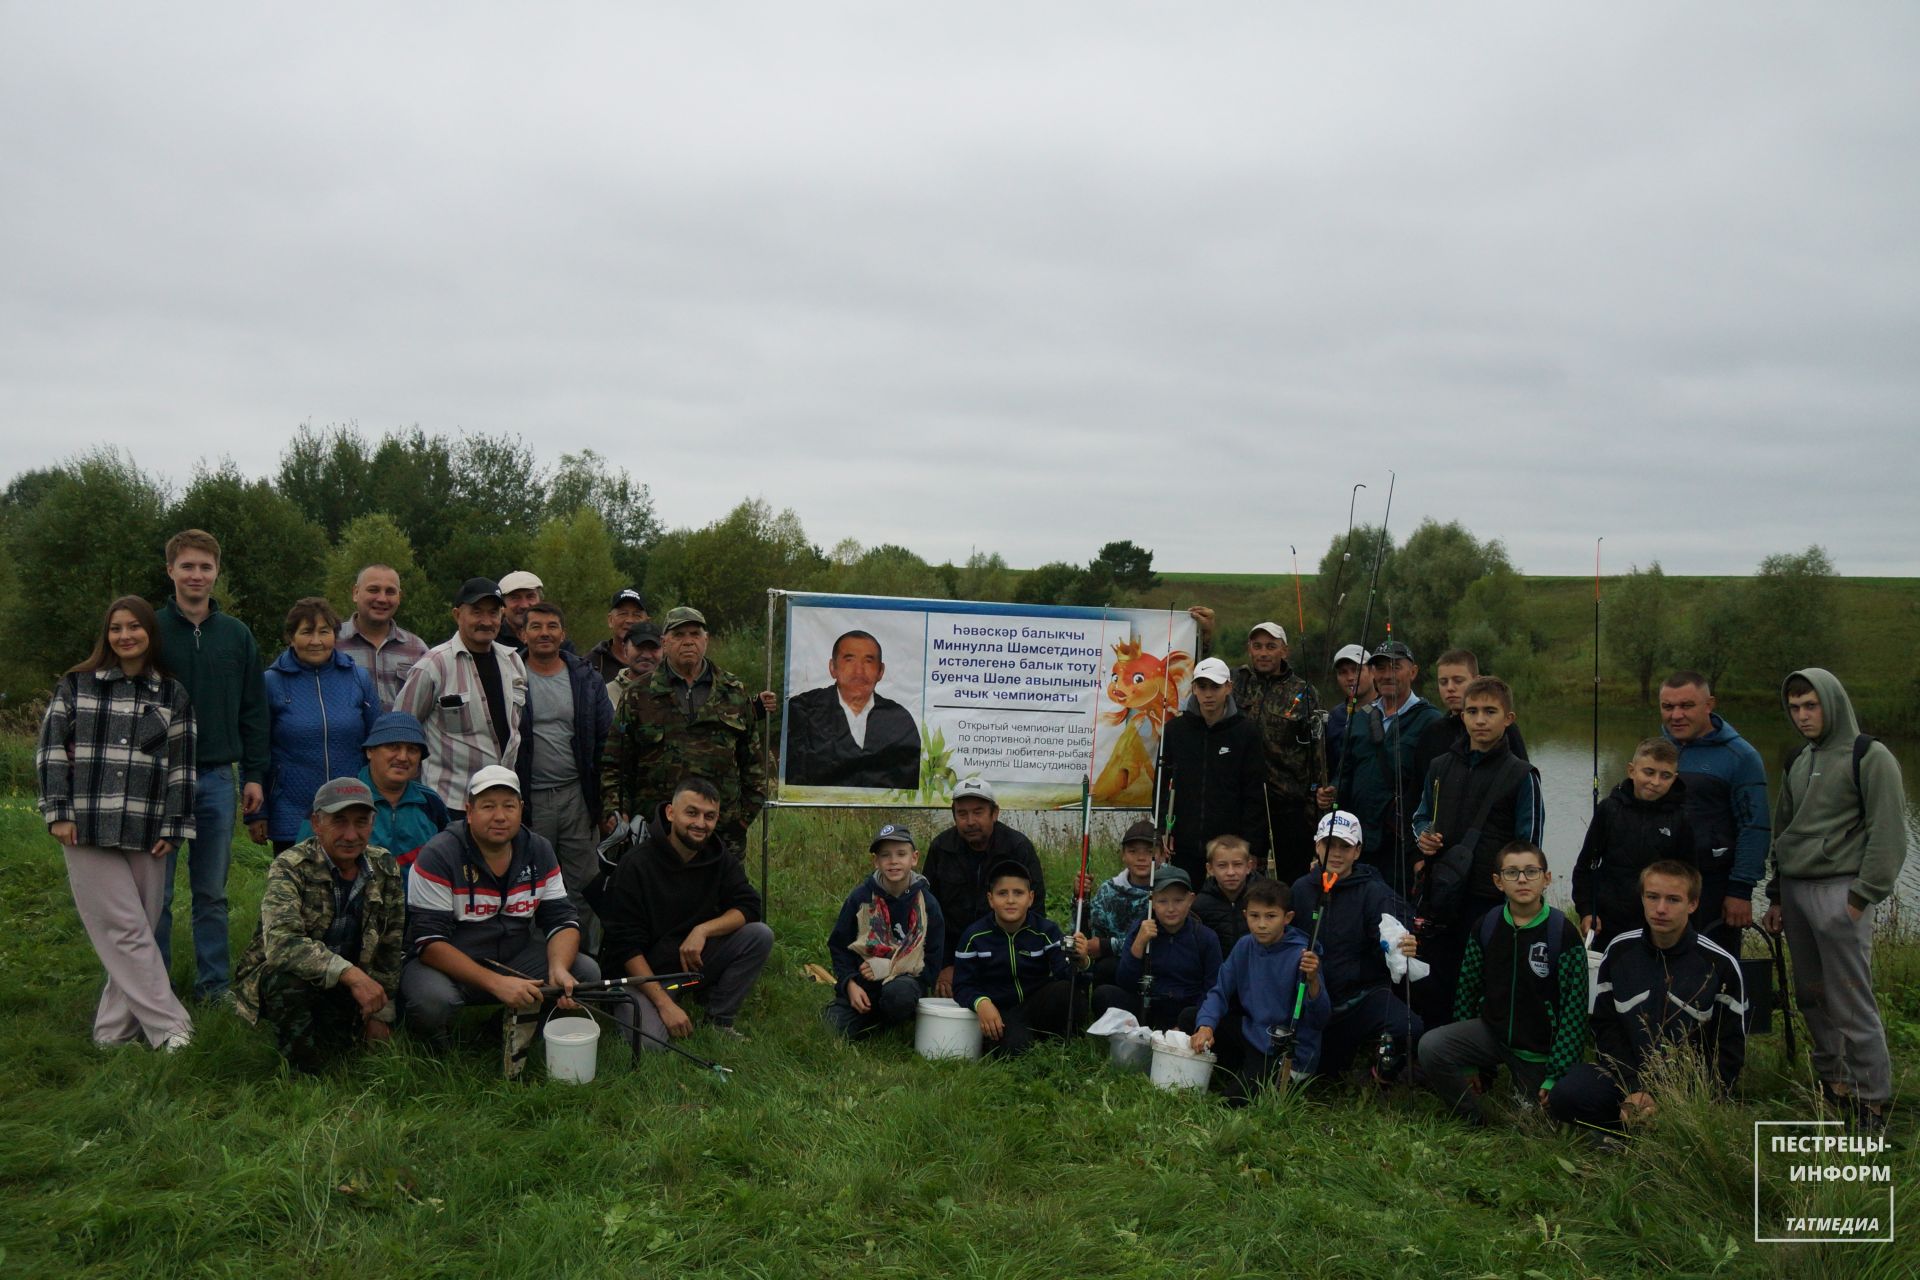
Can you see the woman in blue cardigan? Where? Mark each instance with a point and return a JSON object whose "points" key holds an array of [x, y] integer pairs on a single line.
{"points": [[323, 706]]}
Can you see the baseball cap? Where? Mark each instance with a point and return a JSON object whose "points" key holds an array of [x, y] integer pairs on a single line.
{"points": [[974, 787], [1350, 653], [889, 834], [521, 580], [1389, 651], [1214, 670], [342, 793], [494, 775], [1168, 874], [627, 595], [1141, 832], [1339, 824], [683, 616], [474, 590], [1009, 867], [644, 633], [397, 726], [1273, 629]]}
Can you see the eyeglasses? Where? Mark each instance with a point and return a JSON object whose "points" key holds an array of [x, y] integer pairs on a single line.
{"points": [[1513, 875]]}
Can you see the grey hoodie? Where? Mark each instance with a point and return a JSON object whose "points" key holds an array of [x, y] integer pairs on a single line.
{"points": [[1822, 825]]}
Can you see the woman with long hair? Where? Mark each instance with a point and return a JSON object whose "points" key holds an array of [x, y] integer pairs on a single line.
{"points": [[323, 706], [117, 774]]}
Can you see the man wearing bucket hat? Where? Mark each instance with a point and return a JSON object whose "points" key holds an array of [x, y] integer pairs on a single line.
{"points": [[324, 965], [1283, 707], [406, 812], [888, 943], [468, 693], [1213, 772], [488, 919]]}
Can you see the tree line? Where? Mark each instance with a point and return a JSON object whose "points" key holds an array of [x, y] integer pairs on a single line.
{"points": [[442, 508]]}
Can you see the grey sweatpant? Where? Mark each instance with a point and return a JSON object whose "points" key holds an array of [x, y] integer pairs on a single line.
{"points": [[119, 894], [1833, 985], [1459, 1052], [560, 814]]}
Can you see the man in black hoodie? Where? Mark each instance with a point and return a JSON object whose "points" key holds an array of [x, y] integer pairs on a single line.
{"points": [[1213, 773], [679, 901], [960, 858]]}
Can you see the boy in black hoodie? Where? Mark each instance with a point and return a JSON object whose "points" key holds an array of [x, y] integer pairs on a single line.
{"points": [[1222, 901], [1012, 966], [888, 943], [1213, 772], [680, 901], [1666, 984], [1642, 822], [1365, 1005]]}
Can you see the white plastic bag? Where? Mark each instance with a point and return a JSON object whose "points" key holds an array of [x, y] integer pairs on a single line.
{"points": [[1391, 931]]}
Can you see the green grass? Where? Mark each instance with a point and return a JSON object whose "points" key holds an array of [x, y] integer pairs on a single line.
{"points": [[819, 1159]]}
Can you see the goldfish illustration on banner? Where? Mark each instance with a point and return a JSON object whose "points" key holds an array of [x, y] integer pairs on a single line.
{"points": [[1145, 690]]}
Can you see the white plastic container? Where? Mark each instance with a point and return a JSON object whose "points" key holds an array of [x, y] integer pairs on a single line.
{"points": [[1174, 1069], [942, 1029], [573, 1049], [1131, 1053]]}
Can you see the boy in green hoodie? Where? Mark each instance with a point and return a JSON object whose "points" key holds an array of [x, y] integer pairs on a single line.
{"points": [[1839, 840]]}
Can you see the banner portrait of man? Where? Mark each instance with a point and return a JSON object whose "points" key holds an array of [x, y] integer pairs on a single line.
{"points": [[848, 734]]}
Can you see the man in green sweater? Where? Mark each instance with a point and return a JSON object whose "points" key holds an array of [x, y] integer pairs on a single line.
{"points": [[1839, 839], [215, 657]]}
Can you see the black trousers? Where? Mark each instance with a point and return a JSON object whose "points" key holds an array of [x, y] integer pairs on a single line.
{"points": [[1291, 854], [1587, 1095], [1047, 1011]]}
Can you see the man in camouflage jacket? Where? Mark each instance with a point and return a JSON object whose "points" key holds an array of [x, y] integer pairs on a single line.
{"points": [[324, 964], [689, 718], [1282, 705]]}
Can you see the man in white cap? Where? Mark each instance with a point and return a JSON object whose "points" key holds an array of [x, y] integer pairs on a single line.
{"points": [[1213, 773], [959, 859], [1355, 680], [520, 591], [488, 920], [1282, 706]]}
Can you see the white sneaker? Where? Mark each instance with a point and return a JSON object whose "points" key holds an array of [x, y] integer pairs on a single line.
{"points": [[177, 1041]]}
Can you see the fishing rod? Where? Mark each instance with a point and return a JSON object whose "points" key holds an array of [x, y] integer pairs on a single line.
{"points": [[1281, 1040], [1366, 622], [605, 990], [1080, 887], [1596, 671], [1339, 571], [1299, 598]]}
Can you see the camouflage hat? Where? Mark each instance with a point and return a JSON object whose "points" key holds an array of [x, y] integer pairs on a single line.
{"points": [[684, 616]]}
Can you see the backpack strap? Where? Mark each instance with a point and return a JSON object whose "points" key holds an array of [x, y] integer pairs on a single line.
{"points": [[1861, 745]]}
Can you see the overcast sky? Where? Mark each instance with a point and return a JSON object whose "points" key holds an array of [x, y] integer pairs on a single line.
{"points": [[1017, 277]]}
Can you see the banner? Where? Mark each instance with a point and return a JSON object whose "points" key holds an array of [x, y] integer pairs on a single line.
{"points": [[893, 701]]}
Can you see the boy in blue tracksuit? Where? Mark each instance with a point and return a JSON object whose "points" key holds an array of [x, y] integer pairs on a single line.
{"points": [[1258, 987], [1168, 961], [888, 943], [1012, 964]]}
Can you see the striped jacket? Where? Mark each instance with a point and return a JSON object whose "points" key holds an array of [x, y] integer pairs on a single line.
{"points": [[443, 692], [453, 897], [116, 759], [388, 662]]}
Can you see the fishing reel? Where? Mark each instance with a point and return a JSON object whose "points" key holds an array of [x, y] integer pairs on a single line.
{"points": [[1389, 1058], [1280, 1042]]}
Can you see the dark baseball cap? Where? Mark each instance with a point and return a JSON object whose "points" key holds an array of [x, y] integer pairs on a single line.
{"points": [[1141, 832], [342, 793], [627, 595], [1167, 874], [474, 590], [644, 633], [1389, 651], [892, 833], [1009, 867]]}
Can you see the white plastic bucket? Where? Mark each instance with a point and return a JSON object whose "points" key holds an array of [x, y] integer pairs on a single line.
{"points": [[573, 1049], [1173, 1069], [942, 1029], [1131, 1054]]}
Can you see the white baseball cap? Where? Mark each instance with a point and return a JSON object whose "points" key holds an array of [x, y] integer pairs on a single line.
{"points": [[974, 787], [1339, 824], [1350, 653], [1214, 670], [1273, 629], [521, 580], [494, 775]]}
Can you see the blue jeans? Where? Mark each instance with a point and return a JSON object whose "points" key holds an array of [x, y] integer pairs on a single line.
{"points": [[209, 854]]}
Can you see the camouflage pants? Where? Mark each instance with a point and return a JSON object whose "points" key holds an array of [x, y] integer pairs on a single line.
{"points": [[312, 1025]]}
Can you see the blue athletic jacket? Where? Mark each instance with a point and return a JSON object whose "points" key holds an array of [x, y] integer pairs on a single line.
{"points": [[991, 964], [1727, 807], [1261, 982], [1185, 964]]}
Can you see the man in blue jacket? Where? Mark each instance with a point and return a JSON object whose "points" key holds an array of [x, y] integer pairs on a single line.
{"points": [[1726, 805], [564, 729]]}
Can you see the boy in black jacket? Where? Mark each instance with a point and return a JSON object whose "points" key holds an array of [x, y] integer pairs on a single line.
{"points": [[1478, 798], [1168, 961], [1666, 984], [888, 943], [1222, 901], [1522, 999], [1365, 1005], [1213, 772], [1012, 966], [1642, 822], [680, 901]]}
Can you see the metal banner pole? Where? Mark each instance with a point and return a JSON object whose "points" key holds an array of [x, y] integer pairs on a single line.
{"points": [[772, 765]]}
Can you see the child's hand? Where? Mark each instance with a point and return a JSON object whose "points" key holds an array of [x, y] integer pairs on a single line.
{"points": [[1310, 970], [1324, 797], [1589, 924], [1201, 1040], [1409, 944], [1149, 930], [1431, 843], [943, 985], [1638, 1106], [992, 1025], [1082, 947], [866, 971], [858, 998]]}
